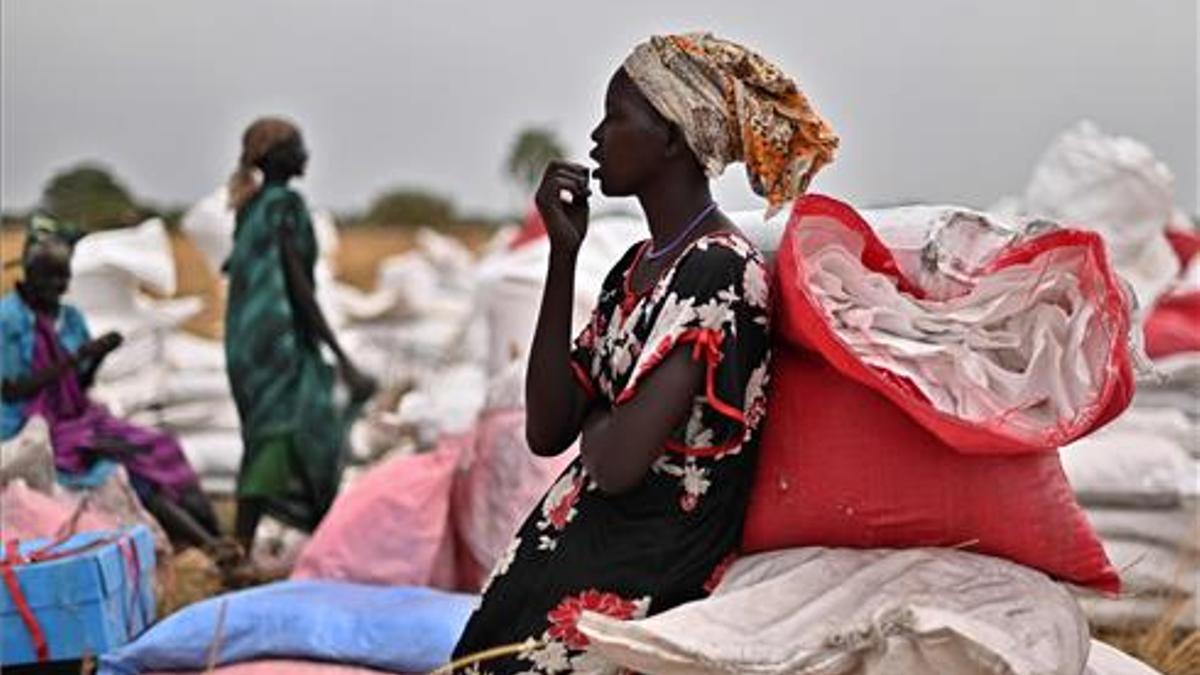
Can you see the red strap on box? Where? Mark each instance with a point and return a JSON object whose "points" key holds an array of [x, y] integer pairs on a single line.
{"points": [[13, 557]]}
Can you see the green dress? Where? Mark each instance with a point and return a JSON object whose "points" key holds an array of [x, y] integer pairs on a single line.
{"points": [[293, 435]]}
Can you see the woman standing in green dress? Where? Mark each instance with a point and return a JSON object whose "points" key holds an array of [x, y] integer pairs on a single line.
{"points": [[293, 434]]}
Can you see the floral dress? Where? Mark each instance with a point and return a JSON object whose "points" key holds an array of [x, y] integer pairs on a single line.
{"points": [[667, 541]]}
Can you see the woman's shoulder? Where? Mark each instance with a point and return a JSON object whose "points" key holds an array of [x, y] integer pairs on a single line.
{"points": [[71, 314], [723, 265], [12, 308], [282, 205], [273, 194], [724, 250], [616, 273], [10, 302]]}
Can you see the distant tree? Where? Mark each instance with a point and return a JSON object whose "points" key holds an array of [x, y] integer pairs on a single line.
{"points": [[90, 196], [531, 151], [411, 206]]}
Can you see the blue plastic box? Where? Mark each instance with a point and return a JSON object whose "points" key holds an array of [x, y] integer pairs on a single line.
{"points": [[96, 598]]}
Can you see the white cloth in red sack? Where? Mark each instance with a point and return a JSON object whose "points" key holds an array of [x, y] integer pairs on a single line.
{"points": [[920, 401]]}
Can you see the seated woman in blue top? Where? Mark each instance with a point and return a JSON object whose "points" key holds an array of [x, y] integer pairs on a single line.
{"points": [[49, 360]]}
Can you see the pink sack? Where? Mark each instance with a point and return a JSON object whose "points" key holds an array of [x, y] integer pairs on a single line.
{"points": [[499, 483], [392, 526], [29, 514]]}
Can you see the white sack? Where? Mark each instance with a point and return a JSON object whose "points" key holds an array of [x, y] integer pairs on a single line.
{"points": [[867, 612]]}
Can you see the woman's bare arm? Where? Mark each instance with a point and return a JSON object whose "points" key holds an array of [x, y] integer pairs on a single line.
{"points": [[620, 445]]}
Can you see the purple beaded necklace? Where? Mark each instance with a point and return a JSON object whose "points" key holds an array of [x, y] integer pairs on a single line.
{"points": [[682, 236]]}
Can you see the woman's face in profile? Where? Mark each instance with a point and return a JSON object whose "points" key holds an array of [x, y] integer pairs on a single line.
{"points": [[630, 140]]}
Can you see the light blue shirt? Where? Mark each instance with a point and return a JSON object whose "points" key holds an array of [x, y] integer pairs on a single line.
{"points": [[16, 352]]}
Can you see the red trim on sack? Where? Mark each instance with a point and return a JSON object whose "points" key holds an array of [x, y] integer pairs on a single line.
{"points": [[1185, 244], [532, 229], [13, 557], [706, 344], [875, 255]]}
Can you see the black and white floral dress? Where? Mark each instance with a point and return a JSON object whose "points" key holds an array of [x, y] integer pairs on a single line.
{"points": [[667, 541]]}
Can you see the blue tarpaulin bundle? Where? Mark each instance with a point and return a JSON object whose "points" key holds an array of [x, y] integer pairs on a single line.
{"points": [[388, 628]]}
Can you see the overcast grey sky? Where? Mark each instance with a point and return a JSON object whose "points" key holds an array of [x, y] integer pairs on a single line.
{"points": [[935, 100]]}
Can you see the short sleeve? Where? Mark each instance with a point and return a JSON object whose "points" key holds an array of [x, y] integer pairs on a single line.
{"points": [[717, 306], [13, 361], [583, 352]]}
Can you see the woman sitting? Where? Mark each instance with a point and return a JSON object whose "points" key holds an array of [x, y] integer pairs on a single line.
{"points": [[665, 386], [50, 360]]}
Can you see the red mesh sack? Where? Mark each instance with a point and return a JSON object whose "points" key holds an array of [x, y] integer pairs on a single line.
{"points": [[1173, 326], [858, 453]]}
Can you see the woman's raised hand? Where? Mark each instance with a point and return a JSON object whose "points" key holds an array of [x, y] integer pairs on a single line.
{"points": [[566, 222], [360, 386]]}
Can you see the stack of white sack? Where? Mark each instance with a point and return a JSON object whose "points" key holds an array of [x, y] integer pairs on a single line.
{"points": [[400, 333], [159, 376], [210, 223], [461, 328], [108, 271], [1138, 478], [417, 318], [1115, 186], [862, 612], [498, 479], [425, 347], [510, 282]]}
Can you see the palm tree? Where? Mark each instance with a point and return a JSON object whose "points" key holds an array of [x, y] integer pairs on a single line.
{"points": [[90, 196], [533, 149]]}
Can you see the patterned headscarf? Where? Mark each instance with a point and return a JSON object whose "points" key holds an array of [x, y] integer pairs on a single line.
{"points": [[734, 105]]}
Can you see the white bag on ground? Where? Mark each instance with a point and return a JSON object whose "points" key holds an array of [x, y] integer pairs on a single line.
{"points": [[1113, 468], [29, 456], [859, 612], [1105, 659], [509, 285], [1115, 186]]}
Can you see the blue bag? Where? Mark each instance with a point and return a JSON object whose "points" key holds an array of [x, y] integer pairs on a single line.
{"points": [[388, 628], [78, 596]]}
